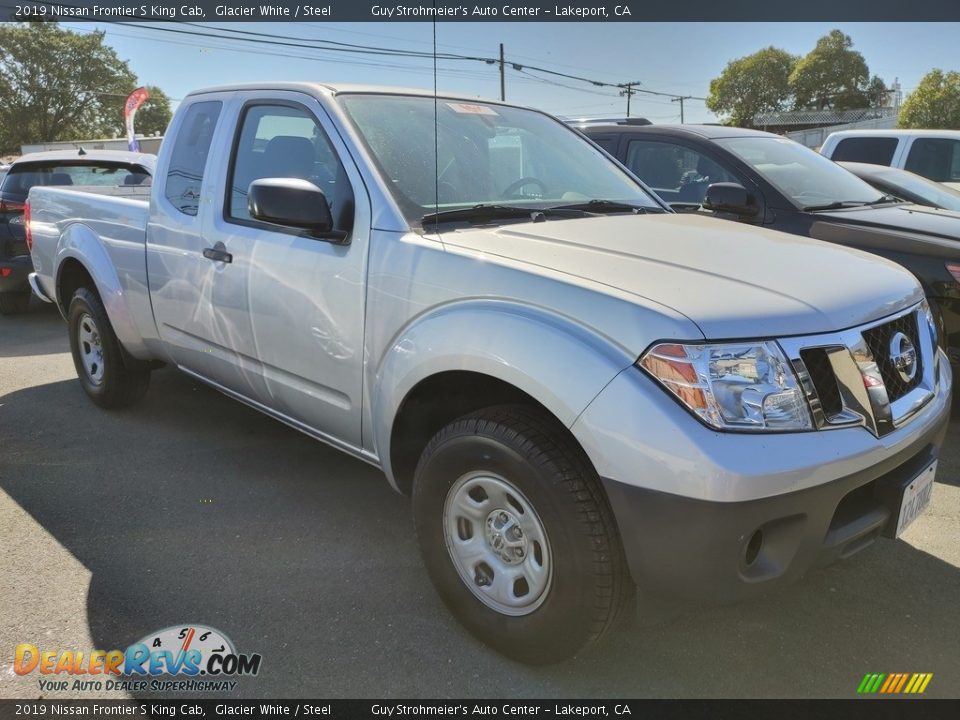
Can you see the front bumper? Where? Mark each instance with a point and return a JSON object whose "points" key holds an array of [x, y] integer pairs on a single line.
{"points": [[14, 272], [717, 516]]}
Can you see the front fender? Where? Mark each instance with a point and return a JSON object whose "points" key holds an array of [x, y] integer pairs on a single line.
{"points": [[81, 243], [558, 362]]}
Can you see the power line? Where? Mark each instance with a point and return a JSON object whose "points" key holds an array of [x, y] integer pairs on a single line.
{"points": [[680, 100], [292, 41], [628, 90], [321, 45]]}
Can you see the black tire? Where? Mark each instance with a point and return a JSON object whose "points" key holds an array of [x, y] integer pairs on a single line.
{"points": [[13, 303], [122, 380], [590, 582]]}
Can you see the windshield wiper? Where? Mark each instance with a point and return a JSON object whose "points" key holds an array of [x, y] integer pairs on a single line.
{"points": [[885, 200], [835, 205], [602, 206], [487, 212]]}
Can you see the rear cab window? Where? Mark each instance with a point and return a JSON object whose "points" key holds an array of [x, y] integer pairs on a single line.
{"points": [[24, 176], [189, 156], [872, 150], [935, 158]]}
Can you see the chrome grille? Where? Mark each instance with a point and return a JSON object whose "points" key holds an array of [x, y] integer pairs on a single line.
{"points": [[878, 340], [824, 381], [852, 377]]}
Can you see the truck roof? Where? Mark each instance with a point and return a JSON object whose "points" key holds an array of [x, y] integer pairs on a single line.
{"points": [[147, 160], [327, 89], [897, 133], [709, 132]]}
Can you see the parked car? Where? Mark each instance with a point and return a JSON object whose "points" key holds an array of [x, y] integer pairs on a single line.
{"points": [[58, 167], [906, 185], [3, 171], [934, 154], [762, 179], [580, 389]]}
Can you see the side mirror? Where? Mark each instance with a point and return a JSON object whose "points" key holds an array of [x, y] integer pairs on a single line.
{"points": [[731, 198], [293, 202]]}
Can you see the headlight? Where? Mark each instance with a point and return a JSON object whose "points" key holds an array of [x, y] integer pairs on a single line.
{"points": [[737, 386]]}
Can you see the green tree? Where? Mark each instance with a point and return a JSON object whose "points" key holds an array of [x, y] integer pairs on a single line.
{"points": [[935, 104], [57, 85], [832, 75], [877, 93], [753, 84], [152, 117]]}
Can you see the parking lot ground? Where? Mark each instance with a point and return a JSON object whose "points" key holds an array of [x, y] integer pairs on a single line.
{"points": [[192, 508]]}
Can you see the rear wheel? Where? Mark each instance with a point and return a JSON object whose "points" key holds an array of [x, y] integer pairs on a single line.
{"points": [[110, 378], [12, 303], [517, 535]]}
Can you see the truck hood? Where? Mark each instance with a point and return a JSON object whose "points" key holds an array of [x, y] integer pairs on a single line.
{"points": [[732, 280], [915, 219]]}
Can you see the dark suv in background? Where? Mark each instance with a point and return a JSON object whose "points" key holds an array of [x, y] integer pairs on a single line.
{"points": [[59, 167], [759, 178]]}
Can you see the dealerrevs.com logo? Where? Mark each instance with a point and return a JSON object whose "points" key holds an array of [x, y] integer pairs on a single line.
{"points": [[186, 658]]}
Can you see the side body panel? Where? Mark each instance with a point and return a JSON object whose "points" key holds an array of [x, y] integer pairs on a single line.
{"points": [[432, 309], [303, 298], [104, 232], [201, 307]]}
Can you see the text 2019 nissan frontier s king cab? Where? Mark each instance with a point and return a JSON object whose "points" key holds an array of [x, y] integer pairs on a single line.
{"points": [[582, 391]]}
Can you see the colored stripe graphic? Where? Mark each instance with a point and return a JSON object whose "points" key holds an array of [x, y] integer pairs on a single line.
{"points": [[894, 683], [870, 683], [903, 679]]}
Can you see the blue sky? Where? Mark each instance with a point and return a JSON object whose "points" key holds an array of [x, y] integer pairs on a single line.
{"points": [[666, 57]]}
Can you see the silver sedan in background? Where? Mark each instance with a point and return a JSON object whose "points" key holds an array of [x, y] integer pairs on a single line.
{"points": [[906, 185]]}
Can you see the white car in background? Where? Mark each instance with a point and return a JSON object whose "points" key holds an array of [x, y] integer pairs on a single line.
{"points": [[934, 154]]}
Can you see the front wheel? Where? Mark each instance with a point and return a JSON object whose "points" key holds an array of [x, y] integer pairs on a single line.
{"points": [[109, 377], [517, 534]]}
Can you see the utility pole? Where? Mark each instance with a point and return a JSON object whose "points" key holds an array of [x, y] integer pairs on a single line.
{"points": [[629, 91], [680, 99], [503, 79]]}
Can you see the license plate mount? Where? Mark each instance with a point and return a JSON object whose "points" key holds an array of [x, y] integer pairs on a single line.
{"points": [[915, 499]]}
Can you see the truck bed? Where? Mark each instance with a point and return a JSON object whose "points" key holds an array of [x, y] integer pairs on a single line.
{"points": [[105, 225]]}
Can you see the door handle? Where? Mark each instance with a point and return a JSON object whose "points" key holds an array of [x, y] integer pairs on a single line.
{"points": [[218, 254]]}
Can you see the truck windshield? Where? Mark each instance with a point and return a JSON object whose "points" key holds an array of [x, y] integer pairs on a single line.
{"points": [[485, 154], [805, 176]]}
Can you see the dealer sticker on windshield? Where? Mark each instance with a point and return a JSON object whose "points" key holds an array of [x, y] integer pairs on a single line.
{"points": [[472, 109], [916, 497]]}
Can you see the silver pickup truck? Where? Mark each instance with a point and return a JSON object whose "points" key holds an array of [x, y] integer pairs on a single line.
{"points": [[582, 392]]}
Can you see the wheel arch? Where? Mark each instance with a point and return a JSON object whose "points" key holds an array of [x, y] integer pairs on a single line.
{"points": [[480, 354], [82, 260]]}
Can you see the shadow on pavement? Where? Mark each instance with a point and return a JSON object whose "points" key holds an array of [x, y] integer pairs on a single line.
{"points": [[192, 508], [39, 331]]}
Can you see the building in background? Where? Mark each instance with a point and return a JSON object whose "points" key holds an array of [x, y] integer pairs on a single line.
{"points": [[147, 144], [811, 127]]}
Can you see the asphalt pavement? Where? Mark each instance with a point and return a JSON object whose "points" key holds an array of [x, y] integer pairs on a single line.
{"points": [[192, 508]]}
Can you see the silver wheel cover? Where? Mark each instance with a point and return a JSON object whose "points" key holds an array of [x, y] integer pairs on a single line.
{"points": [[90, 347], [497, 543]]}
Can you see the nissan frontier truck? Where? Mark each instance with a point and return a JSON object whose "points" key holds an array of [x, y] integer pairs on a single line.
{"points": [[584, 393]]}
